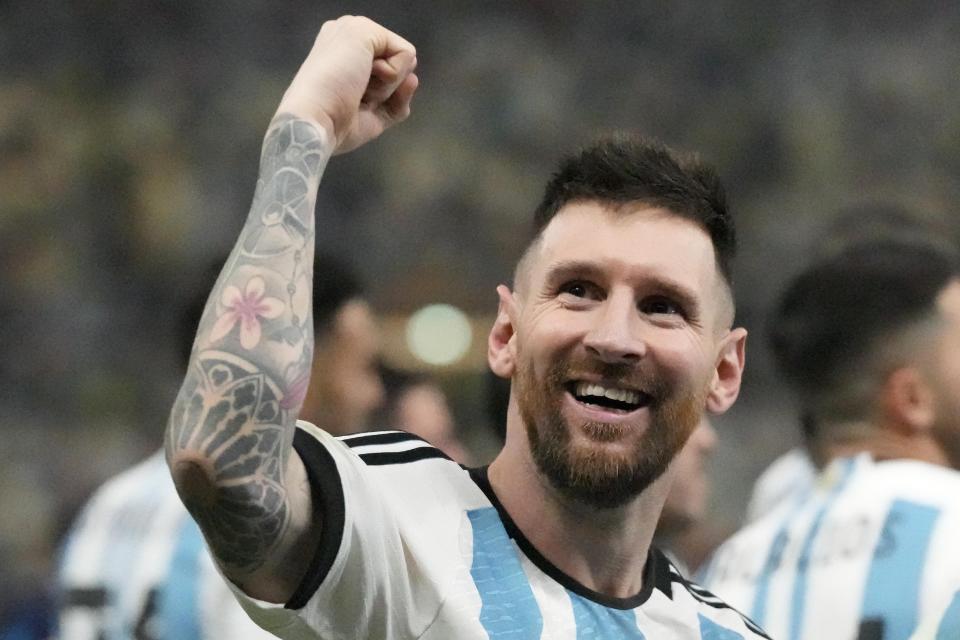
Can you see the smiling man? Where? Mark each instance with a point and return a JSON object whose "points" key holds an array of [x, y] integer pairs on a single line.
{"points": [[616, 336]]}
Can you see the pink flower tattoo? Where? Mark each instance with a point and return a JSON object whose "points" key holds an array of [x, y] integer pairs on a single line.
{"points": [[246, 309]]}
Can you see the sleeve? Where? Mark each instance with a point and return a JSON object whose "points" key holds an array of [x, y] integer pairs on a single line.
{"points": [[363, 580]]}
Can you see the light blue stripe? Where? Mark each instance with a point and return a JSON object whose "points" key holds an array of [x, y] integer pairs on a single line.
{"points": [[949, 628], [508, 607], [758, 611], [893, 584], [597, 622], [799, 601], [710, 630], [178, 601]]}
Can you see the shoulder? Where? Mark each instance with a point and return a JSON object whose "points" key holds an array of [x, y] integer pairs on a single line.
{"points": [[395, 461], [147, 481], [788, 478], [911, 478]]}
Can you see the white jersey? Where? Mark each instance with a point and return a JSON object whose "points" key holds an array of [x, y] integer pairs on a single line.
{"points": [[869, 554], [135, 566], [413, 546], [789, 478], [943, 625]]}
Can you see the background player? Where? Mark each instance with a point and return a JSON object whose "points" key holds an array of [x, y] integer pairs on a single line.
{"points": [[870, 337]]}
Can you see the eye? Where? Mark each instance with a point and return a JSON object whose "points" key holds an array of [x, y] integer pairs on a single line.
{"points": [[660, 305], [580, 289]]}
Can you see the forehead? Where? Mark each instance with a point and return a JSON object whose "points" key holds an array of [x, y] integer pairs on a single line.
{"points": [[949, 300], [634, 242]]}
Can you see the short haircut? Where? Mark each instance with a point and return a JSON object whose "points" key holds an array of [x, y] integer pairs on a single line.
{"points": [[839, 327], [621, 168], [334, 284]]}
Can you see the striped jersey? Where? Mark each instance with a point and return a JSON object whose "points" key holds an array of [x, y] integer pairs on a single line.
{"points": [[789, 478], [135, 566], [942, 625], [415, 546], [866, 556]]}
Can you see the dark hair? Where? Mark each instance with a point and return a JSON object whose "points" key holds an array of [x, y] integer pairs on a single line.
{"points": [[834, 315], [621, 168], [334, 284]]}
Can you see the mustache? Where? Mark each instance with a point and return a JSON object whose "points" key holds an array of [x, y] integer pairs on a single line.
{"points": [[621, 375]]}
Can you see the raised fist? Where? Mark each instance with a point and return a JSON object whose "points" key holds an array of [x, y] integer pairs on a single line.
{"points": [[357, 80]]}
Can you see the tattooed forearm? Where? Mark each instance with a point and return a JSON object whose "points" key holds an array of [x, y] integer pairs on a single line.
{"points": [[230, 431]]}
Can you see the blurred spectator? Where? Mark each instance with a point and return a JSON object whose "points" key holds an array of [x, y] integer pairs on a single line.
{"points": [[416, 403], [791, 477], [686, 505]]}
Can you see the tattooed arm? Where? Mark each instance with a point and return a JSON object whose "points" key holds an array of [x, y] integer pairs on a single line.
{"points": [[229, 438]]}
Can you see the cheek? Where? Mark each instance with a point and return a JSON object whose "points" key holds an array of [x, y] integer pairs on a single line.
{"points": [[683, 358]]}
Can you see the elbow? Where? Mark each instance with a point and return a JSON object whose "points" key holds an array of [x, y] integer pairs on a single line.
{"points": [[194, 479]]}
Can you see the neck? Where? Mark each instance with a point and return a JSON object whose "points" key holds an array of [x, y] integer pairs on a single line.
{"points": [[605, 550], [884, 444]]}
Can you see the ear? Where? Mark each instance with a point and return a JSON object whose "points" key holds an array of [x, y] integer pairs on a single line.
{"points": [[501, 354], [728, 373], [908, 401]]}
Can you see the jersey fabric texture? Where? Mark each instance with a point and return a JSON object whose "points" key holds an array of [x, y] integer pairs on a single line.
{"points": [[135, 566], [866, 556], [415, 546]]}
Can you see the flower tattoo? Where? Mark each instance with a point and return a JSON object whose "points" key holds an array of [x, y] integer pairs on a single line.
{"points": [[246, 308]]}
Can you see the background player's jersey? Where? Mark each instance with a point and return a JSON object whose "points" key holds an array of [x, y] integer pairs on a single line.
{"points": [[871, 552], [414, 546], [944, 625], [789, 478], [135, 566]]}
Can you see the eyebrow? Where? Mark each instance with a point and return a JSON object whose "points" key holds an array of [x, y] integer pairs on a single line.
{"points": [[559, 272]]}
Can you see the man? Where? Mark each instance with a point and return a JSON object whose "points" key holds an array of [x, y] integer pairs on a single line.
{"points": [[870, 338], [135, 565], [617, 335]]}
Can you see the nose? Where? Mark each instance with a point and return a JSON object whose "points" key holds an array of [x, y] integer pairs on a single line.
{"points": [[614, 336]]}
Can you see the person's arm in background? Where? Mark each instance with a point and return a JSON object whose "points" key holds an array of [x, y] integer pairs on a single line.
{"points": [[229, 438]]}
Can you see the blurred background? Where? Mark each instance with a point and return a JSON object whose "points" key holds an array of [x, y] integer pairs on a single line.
{"points": [[129, 140]]}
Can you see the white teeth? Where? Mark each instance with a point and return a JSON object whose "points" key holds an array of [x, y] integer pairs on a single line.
{"points": [[621, 395]]}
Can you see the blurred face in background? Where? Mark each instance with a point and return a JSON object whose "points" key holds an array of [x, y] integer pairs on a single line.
{"points": [[687, 501], [345, 386], [944, 373], [423, 409]]}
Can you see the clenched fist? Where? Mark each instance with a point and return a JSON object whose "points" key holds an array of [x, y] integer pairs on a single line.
{"points": [[357, 80]]}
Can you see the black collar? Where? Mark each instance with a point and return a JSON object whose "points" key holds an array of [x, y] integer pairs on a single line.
{"points": [[656, 571]]}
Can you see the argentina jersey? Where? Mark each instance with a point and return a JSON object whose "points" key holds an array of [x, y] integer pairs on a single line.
{"points": [[135, 566], [415, 546], [868, 555]]}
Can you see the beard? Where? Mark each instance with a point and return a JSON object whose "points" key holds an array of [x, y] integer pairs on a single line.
{"points": [[594, 475]]}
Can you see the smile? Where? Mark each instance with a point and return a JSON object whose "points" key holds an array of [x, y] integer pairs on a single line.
{"points": [[608, 397]]}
